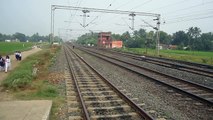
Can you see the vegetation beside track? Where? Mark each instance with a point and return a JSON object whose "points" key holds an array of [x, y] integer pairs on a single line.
{"points": [[23, 85], [10, 47], [190, 56]]}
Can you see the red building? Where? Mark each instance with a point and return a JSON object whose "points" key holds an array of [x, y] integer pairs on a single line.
{"points": [[117, 44], [105, 40]]}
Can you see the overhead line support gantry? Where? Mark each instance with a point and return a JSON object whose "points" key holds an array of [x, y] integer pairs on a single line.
{"points": [[86, 10]]}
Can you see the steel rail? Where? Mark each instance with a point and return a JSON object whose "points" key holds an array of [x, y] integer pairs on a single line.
{"points": [[173, 60], [193, 83], [86, 114], [154, 79], [138, 109], [172, 65]]}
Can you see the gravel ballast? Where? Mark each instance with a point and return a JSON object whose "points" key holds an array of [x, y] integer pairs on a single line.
{"points": [[57, 73], [159, 101]]}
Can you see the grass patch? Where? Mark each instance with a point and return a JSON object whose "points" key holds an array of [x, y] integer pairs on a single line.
{"points": [[21, 77], [47, 91], [191, 56], [7, 48], [41, 89]]}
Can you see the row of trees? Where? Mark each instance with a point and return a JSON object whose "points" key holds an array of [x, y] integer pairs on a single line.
{"points": [[23, 38], [193, 39]]}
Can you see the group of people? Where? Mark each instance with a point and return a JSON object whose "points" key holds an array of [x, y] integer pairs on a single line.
{"points": [[5, 63]]}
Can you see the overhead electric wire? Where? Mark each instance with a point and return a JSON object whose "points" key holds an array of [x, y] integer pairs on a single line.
{"points": [[126, 23], [169, 5], [122, 6], [126, 3], [189, 16], [78, 4], [99, 15], [111, 3], [142, 4], [197, 18], [196, 12], [198, 5]]}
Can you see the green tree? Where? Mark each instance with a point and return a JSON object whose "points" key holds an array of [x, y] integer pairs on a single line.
{"points": [[125, 37], [193, 34], [116, 37], [206, 42], [165, 38], [20, 36], [88, 38], [180, 38], [35, 38], [150, 39]]}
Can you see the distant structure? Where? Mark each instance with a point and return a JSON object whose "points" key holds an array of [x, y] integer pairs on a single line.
{"points": [[7, 40], [105, 41], [117, 44]]}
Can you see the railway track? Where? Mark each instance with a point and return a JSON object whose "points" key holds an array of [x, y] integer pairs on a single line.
{"points": [[194, 90], [91, 96], [195, 68]]}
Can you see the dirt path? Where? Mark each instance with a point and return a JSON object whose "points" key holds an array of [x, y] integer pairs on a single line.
{"points": [[14, 64]]}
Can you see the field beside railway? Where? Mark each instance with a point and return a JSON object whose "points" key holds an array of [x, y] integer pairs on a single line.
{"points": [[32, 80], [10, 47], [190, 56]]}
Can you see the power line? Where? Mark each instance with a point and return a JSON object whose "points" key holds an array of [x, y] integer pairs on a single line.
{"points": [[197, 18], [196, 12], [126, 3], [169, 5], [111, 3], [126, 23], [77, 5], [198, 5], [100, 14], [190, 16], [142, 4]]}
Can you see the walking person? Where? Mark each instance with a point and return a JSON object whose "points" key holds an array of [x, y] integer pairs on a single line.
{"points": [[2, 63], [19, 55], [7, 63]]}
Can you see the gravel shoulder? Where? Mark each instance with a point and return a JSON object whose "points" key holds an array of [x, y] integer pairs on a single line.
{"points": [[57, 76]]}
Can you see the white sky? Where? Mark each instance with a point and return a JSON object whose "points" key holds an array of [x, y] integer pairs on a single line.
{"points": [[31, 16]]}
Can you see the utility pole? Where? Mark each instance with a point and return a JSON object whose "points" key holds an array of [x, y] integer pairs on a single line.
{"points": [[157, 28], [84, 17], [158, 34], [133, 21], [52, 24]]}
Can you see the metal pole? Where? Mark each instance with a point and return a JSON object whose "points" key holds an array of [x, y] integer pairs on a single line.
{"points": [[84, 17], [133, 20], [158, 35], [51, 29], [52, 24]]}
